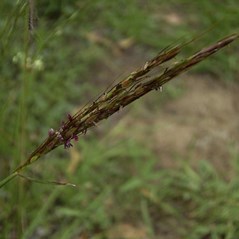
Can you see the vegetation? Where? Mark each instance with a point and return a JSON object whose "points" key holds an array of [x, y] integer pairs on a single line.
{"points": [[50, 70]]}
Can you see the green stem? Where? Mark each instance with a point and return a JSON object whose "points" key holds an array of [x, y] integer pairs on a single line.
{"points": [[7, 179]]}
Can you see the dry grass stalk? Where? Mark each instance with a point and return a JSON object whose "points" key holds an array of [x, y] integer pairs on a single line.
{"points": [[136, 85]]}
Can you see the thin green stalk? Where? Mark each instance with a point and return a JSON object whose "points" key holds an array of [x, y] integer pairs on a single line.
{"points": [[25, 77], [8, 179]]}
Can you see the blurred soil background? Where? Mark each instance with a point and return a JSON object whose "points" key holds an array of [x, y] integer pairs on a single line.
{"points": [[164, 167]]}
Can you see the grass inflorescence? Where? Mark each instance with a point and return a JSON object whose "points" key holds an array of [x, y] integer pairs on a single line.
{"points": [[136, 85], [48, 63]]}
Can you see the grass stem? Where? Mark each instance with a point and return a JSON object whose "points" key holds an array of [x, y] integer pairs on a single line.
{"points": [[8, 179]]}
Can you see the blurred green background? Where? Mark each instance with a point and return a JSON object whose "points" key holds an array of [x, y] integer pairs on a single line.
{"points": [[165, 167]]}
